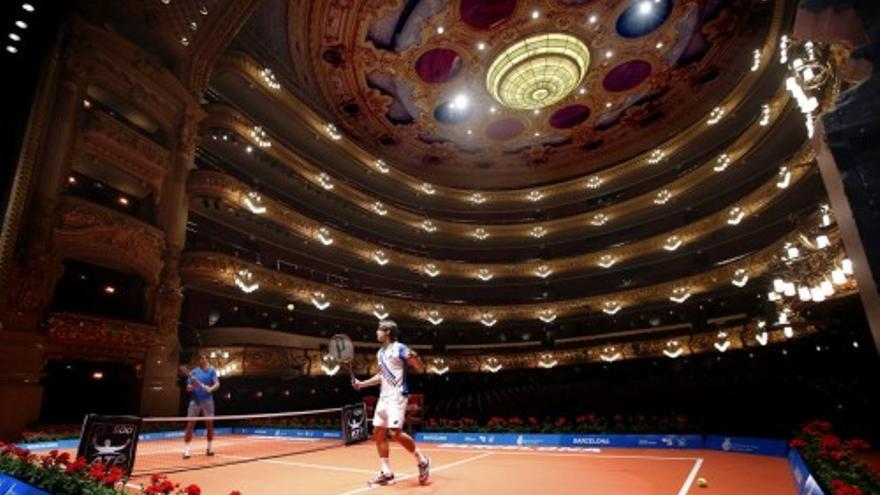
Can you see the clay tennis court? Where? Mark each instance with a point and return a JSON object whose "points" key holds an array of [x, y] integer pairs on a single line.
{"points": [[281, 466]]}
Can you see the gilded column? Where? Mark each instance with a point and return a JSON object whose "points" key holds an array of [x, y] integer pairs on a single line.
{"points": [[160, 394]]}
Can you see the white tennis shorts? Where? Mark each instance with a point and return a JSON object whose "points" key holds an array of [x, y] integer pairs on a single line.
{"points": [[390, 412]]}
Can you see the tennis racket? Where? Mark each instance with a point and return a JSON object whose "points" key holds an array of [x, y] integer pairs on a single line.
{"points": [[342, 350]]}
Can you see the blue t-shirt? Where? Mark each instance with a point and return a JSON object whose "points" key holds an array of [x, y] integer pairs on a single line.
{"points": [[207, 377]]}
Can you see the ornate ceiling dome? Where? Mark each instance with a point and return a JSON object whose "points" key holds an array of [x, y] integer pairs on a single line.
{"points": [[553, 89]]}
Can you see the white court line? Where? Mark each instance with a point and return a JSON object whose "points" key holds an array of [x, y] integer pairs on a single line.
{"points": [[300, 464], [690, 479], [433, 470], [551, 453]]}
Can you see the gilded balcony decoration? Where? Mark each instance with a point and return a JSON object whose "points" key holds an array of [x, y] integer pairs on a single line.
{"points": [[254, 360], [214, 272], [112, 142], [83, 332], [223, 117], [236, 194], [89, 232]]}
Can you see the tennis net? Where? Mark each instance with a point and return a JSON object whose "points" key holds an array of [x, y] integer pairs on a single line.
{"points": [[161, 446]]}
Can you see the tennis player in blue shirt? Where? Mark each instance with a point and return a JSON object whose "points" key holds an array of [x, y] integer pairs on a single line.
{"points": [[202, 383]]}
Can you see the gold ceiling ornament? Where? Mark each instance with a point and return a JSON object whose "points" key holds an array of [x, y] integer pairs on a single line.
{"points": [[538, 71]]}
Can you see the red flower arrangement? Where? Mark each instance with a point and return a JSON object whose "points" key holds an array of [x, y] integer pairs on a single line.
{"points": [[834, 462], [56, 473]]}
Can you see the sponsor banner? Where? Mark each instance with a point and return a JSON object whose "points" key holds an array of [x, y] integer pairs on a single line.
{"points": [[566, 440], [635, 441], [804, 482], [57, 444], [13, 486], [165, 435], [759, 446], [502, 439], [291, 433]]}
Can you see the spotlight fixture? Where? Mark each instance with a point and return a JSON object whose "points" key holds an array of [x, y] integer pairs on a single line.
{"points": [[324, 180], [538, 232], [438, 366], [680, 295], [431, 270], [535, 196], [610, 354], [656, 157], [488, 319], [260, 137], [380, 257], [784, 178], [492, 365], [715, 116], [673, 349], [379, 311], [607, 261], [324, 236], [332, 131], [611, 307], [672, 243], [244, 280], [735, 215], [319, 300], [547, 316], [254, 202], [269, 79], [434, 317], [740, 277], [663, 196], [543, 271], [765, 115], [722, 162]]}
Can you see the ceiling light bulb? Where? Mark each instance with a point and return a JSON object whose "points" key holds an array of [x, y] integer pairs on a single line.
{"points": [[481, 46], [593, 19], [460, 102], [536, 14], [441, 30], [21, 24]]}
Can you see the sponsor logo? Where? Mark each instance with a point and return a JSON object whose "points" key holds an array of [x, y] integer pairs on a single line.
{"points": [[727, 444], [591, 441], [434, 438]]}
